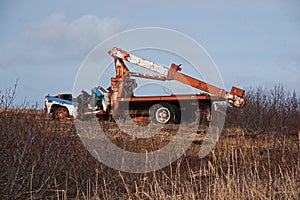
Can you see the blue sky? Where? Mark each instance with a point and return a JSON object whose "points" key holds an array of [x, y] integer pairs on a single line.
{"points": [[43, 43]]}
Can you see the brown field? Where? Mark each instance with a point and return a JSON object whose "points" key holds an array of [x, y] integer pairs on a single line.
{"points": [[44, 159]]}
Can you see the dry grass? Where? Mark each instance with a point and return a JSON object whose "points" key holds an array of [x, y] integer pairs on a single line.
{"points": [[44, 159]]}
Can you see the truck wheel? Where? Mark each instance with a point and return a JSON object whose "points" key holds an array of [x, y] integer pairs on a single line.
{"points": [[60, 113], [164, 113]]}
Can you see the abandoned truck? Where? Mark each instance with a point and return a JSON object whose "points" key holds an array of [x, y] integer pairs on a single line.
{"points": [[119, 99]]}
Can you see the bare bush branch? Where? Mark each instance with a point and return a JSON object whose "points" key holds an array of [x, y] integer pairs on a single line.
{"points": [[8, 96]]}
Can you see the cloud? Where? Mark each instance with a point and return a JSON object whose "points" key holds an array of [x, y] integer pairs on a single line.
{"points": [[53, 39]]}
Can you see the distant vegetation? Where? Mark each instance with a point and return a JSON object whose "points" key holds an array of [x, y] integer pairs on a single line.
{"points": [[257, 157], [267, 111]]}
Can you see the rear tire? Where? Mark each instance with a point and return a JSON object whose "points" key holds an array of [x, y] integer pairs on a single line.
{"points": [[164, 113], [60, 113]]}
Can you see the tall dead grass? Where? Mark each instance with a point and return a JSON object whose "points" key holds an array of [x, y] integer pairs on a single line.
{"points": [[45, 159]]}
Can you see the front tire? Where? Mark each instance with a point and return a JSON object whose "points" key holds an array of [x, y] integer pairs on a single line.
{"points": [[60, 113]]}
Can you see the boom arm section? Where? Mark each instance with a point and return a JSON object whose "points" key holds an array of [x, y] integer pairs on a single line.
{"points": [[235, 97]]}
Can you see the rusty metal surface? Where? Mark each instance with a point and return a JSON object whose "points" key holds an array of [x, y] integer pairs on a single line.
{"points": [[119, 88], [237, 91], [174, 68], [147, 76], [119, 53], [120, 68], [235, 100]]}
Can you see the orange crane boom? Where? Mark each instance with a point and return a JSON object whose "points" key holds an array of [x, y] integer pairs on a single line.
{"points": [[234, 97]]}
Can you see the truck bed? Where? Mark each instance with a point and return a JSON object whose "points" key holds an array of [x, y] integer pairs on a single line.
{"points": [[171, 98]]}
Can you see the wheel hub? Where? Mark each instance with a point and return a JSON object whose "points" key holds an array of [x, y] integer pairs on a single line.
{"points": [[163, 115]]}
